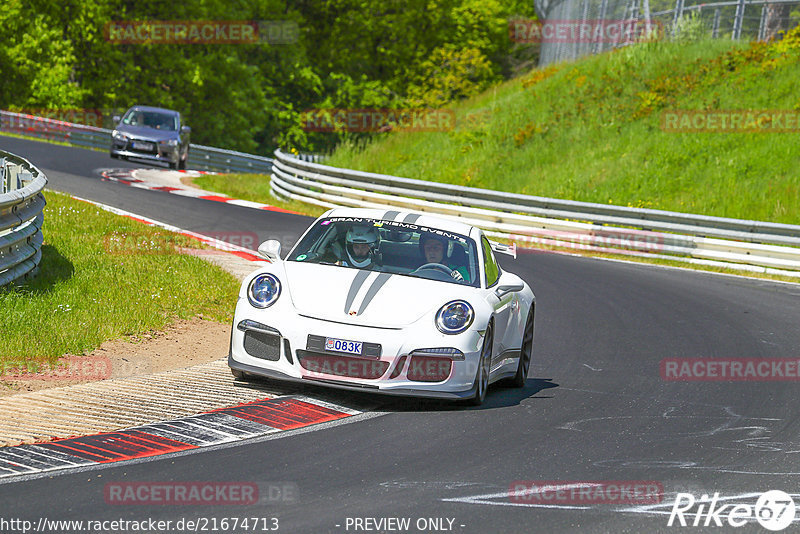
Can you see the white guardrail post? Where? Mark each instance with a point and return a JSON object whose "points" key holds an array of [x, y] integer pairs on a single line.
{"points": [[545, 222], [21, 218]]}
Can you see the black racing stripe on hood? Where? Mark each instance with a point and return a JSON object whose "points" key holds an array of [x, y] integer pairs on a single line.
{"points": [[358, 281], [373, 290], [390, 215]]}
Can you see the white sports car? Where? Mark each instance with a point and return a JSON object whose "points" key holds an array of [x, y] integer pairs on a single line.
{"points": [[386, 301]]}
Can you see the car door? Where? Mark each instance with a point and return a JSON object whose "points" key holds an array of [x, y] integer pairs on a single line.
{"points": [[502, 306]]}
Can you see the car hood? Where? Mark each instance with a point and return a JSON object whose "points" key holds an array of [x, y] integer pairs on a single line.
{"points": [[368, 298], [145, 132]]}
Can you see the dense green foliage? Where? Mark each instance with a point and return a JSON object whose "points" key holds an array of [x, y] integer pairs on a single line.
{"points": [[349, 54], [592, 131]]}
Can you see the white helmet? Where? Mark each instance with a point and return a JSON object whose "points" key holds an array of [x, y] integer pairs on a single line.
{"points": [[367, 235]]}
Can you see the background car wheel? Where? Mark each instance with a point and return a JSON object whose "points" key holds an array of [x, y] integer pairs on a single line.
{"points": [[113, 156], [484, 366], [518, 380], [182, 165]]}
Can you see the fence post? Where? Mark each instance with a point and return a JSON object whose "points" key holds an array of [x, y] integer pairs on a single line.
{"points": [[762, 27], [598, 46], [646, 9], [737, 21], [715, 26], [677, 17]]}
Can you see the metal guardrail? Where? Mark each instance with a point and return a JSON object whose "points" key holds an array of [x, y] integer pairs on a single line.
{"points": [[21, 218], [738, 244], [201, 157]]}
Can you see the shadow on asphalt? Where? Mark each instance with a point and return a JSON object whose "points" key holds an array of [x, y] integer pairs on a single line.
{"points": [[498, 396]]}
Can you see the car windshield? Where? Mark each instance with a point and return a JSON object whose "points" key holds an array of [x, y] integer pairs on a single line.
{"points": [[392, 247], [151, 119]]}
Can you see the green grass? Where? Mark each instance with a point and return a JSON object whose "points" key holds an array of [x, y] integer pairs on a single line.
{"points": [[590, 131], [253, 187], [105, 277]]}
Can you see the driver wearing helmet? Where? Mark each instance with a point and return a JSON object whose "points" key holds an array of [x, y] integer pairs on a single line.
{"points": [[362, 245], [433, 249]]}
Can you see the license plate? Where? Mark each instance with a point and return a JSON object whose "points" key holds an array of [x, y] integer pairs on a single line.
{"points": [[342, 345], [138, 145]]}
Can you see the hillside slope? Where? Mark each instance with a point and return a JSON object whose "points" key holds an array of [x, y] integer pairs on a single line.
{"points": [[591, 131]]}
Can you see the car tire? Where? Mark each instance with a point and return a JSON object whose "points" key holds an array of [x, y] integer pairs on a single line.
{"points": [[113, 156], [239, 375], [182, 165], [518, 381], [484, 366]]}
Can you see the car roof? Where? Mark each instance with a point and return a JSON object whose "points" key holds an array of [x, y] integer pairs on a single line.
{"points": [[151, 108], [395, 214]]}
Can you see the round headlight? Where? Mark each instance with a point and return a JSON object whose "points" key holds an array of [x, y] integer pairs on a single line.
{"points": [[264, 290], [454, 317]]}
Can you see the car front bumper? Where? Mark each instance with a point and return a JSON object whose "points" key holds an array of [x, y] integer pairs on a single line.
{"points": [[288, 349], [164, 154]]}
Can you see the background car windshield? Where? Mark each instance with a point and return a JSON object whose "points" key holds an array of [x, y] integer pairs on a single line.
{"points": [[152, 119], [390, 246]]}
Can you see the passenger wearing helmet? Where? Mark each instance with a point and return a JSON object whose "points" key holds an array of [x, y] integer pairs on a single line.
{"points": [[433, 249]]}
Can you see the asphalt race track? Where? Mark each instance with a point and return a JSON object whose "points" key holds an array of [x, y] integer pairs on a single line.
{"points": [[595, 407]]}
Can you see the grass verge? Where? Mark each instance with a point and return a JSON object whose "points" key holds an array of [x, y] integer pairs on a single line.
{"points": [[104, 277], [591, 131]]}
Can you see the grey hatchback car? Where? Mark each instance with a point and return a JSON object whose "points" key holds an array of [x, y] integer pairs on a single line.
{"points": [[150, 133]]}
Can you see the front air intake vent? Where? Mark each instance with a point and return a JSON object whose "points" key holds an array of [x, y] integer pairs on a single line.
{"points": [[262, 345]]}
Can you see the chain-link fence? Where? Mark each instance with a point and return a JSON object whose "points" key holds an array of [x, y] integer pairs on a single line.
{"points": [[574, 28]]}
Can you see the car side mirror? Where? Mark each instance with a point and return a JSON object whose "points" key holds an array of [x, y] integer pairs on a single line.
{"points": [[502, 291], [185, 129], [270, 250], [116, 119]]}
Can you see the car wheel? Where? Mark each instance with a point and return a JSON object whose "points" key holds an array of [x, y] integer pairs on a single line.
{"points": [[172, 165], [182, 164], [239, 375], [525, 354], [484, 367], [113, 156]]}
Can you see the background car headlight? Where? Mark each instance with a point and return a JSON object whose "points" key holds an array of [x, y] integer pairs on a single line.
{"points": [[264, 290], [169, 142], [454, 317], [119, 135]]}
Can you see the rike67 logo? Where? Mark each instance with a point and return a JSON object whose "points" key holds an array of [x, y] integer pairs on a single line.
{"points": [[774, 511]]}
